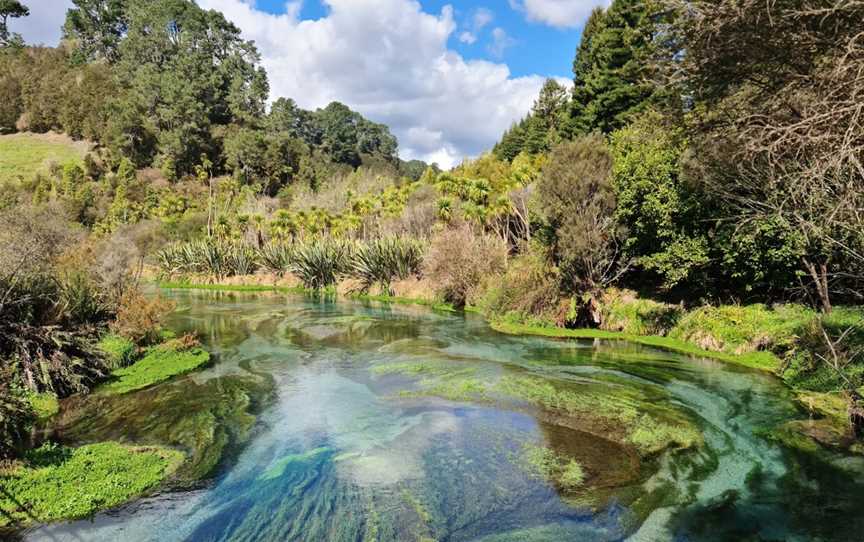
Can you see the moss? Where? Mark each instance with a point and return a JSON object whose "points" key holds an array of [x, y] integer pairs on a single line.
{"points": [[159, 364], [45, 405], [55, 483], [765, 361], [119, 351]]}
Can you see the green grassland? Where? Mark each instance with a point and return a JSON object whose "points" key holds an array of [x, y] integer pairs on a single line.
{"points": [[24, 155]]}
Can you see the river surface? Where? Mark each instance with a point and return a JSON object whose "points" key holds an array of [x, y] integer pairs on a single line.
{"points": [[332, 421]]}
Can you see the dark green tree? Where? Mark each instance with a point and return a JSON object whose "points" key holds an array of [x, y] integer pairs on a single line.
{"points": [[611, 65], [95, 28]]}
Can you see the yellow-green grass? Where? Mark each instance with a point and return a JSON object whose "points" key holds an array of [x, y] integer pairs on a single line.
{"points": [[24, 155], [44, 405], [54, 483]]}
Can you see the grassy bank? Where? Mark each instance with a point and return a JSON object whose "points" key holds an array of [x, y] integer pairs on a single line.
{"points": [[757, 360], [54, 483]]}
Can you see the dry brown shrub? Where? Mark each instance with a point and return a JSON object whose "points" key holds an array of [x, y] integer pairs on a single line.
{"points": [[457, 261], [139, 318]]}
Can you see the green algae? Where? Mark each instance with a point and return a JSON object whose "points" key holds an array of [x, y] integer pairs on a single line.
{"points": [[546, 463], [278, 468], [765, 361], [159, 364], [55, 483]]}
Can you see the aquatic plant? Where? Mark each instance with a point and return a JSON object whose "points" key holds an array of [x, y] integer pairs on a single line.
{"points": [[159, 364], [56, 483], [547, 463]]}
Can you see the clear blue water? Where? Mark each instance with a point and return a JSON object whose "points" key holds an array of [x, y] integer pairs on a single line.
{"points": [[350, 421]]}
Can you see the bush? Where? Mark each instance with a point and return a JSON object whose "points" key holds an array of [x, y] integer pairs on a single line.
{"points": [[457, 261], [140, 318], [528, 290], [16, 415], [321, 262], [623, 311], [384, 260], [276, 257]]}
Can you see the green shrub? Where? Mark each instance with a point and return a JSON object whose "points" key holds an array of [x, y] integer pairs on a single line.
{"points": [[527, 291], [321, 262], [623, 311], [276, 257], [382, 261]]}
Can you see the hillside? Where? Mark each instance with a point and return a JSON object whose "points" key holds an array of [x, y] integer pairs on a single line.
{"points": [[25, 154]]}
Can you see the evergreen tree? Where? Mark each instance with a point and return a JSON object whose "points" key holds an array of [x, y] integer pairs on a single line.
{"points": [[610, 67], [95, 28]]}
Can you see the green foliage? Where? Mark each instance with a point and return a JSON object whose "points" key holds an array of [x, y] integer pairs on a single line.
{"points": [[610, 84], [119, 351], [10, 9], [574, 196], [159, 363], [623, 311], [382, 261], [319, 263], [16, 415], [528, 290], [45, 405], [58, 483]]}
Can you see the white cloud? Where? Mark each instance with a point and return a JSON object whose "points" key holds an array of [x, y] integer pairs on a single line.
{"points": [[389, 60], [482, 17], [558, 13], [468, 38], [501, 41], [43, 25]]}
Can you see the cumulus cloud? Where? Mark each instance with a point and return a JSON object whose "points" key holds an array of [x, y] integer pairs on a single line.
{"points": [[558, 13], [389, 60]]}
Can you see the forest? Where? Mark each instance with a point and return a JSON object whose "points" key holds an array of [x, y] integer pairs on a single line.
{"points": [[699, 187]]}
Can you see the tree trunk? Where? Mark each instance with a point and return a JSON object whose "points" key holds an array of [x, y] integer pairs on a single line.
{"points": [[820, 282]]}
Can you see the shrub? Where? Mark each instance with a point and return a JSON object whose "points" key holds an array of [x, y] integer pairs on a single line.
{"points": [[528, 289], [140, 318], [457, 261], [319, 263], [276, 257], [119, 351], [384, 260], [15, 415]]}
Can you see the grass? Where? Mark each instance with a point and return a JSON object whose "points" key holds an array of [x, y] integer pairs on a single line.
{"points": [[765, 361], [119, 351], [55, 483], [159, 364], [24, 155], [45, 405], [231, 287]]}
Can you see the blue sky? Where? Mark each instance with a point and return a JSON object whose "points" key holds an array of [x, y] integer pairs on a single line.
{"points": [[536, 48], [448, 77]]}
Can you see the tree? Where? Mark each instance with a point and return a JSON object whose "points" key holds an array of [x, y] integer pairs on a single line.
{"points": [[610, 68], [783, 140], [575, 198], [10, 9], [96, 28]]}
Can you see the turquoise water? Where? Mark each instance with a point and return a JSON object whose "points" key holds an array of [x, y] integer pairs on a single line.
{"points": [[347, 421]]}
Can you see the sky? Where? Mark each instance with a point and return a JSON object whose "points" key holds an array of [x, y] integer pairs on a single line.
{"points": [[448, 77]]}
